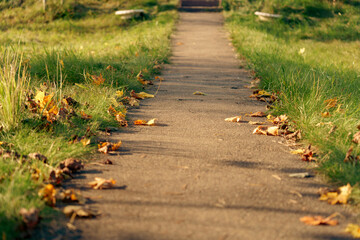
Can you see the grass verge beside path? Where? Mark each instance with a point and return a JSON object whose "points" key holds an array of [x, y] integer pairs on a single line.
{"points": [[89, 59], [308, 63]]}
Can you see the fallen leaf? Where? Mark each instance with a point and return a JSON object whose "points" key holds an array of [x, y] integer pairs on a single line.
{"points": [[30, 217], [353, 229], [299, 151], [85, 141], [300, 175], [72, 164], [199, 93], [79, 211], [102, 183], [151, 122], [273, 131], [308, 155], [262, 130], [98, 80], [48, 193], [340, 195], [233, 119], [141, 79], [356, 138], [105, 147], [325, 114], [256, 123], [70, 196], [38, 156], [85, 116], [294, 136], [348, 156], [319, 220], [331, 103], [258, 114], [145, 95], [119, 94], [110, 68]]}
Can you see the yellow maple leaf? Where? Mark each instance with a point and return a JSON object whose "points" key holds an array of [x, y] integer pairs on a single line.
{"points": [[353, 229]]}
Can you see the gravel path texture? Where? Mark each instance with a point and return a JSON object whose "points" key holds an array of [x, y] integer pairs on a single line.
{"points": [[196, 176]]}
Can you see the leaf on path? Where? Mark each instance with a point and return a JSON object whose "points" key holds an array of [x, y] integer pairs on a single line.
{"points": [[319, 220], [70, 195], [72, 164], [282, 119], [258, 114], [256, 123], [102, 183], [30, 217], [79, 211], [340, 195], [199, 93], [141, 95], [263, 130], [105, 147], [151, 122], [308, 155], [48, 193], [233, 119], [353, 229], [299, 151], [294, 136]]}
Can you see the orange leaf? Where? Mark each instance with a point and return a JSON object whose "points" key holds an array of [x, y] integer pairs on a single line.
{"points": [[85, 116], [319, 220], [102, 183], [98, 80], [258, 114]]}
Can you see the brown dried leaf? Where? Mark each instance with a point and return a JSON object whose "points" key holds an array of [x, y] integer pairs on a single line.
{"points": [[102, 183], [48, 193], [233, 119], [72, 164], [30, 217], [38, 156], [258, 114], [348, 156], [80, 211], [340, 195], [356, 138], [319, 220]]}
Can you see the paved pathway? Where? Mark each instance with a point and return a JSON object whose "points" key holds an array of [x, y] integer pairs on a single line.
{"points": [[197, 176]]}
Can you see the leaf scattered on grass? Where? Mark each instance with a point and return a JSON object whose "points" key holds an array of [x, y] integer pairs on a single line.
{"points": [[48, 194], [233, 119], [349, 157], [38, 156], [356, 138], [199, 93], [331, 103], [102, 183], [141, 79], [319, 220], [30, 217], [98, 80], [325, 114], [340, 195], [85, 116], [353, 229]]}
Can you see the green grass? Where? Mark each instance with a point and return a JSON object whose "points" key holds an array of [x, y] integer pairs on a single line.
{"points": [[329, 68], [57, 54]]}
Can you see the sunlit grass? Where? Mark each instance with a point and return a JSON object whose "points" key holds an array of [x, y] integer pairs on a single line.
{"points": [[304, 80]]}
